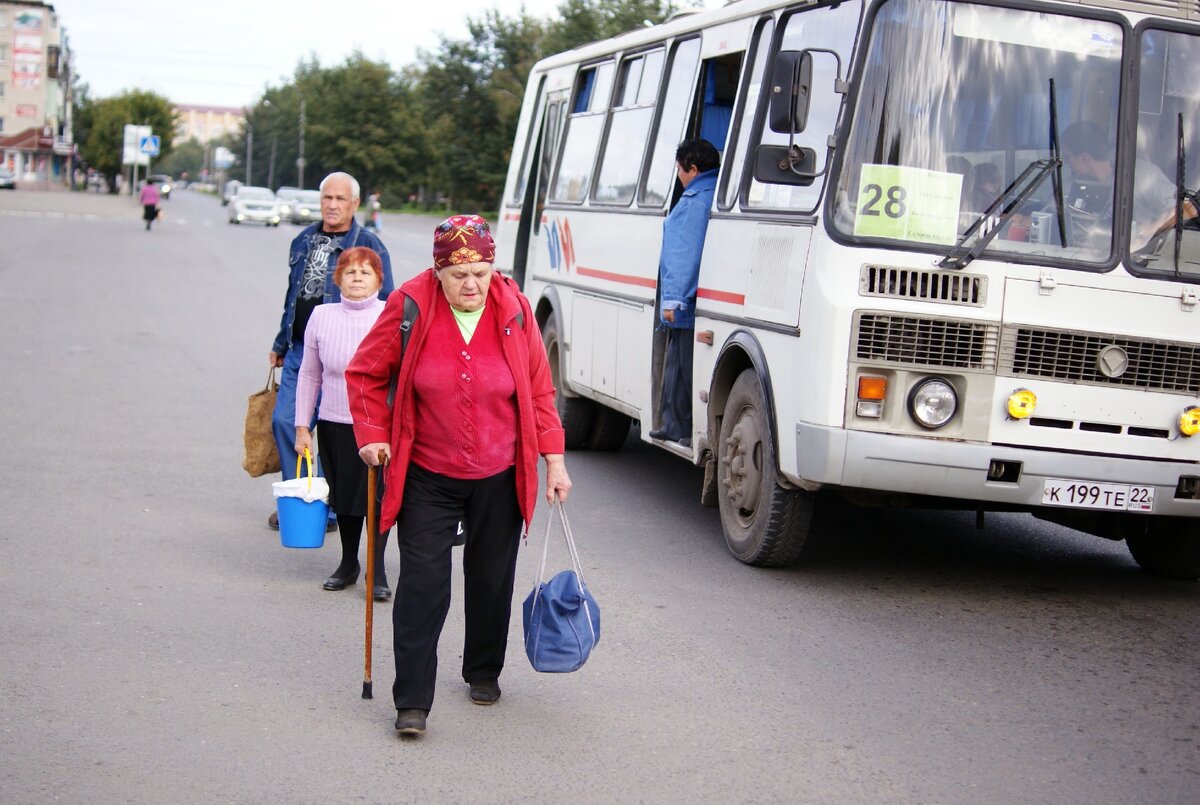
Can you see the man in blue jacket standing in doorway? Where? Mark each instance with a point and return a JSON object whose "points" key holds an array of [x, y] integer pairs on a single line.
{"points": [[696, 164]]}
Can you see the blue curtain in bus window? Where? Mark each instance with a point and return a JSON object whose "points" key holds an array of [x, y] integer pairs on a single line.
{"points": [[584, 96], [714, 125]]}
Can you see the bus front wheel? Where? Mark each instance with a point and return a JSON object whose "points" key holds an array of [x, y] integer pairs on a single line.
{"points": [[1165, 546], [765, 524], [576, 413]]}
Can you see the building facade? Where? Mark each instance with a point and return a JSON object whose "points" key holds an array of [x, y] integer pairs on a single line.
{"points": [[35, 92], [206, 123]]}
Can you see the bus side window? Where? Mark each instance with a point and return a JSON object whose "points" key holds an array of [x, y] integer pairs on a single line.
{"points": [[549, 149], [660, 175], [585, 124], [717, 95], [736, 158], [831, 27], [629, 127]]}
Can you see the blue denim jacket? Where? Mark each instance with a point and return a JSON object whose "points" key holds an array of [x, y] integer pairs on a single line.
{"points": [[298, 254], [682, 244]]}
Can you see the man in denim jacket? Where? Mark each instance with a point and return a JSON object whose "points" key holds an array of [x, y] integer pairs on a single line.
{"points": [[684, 229], [311, 260]]}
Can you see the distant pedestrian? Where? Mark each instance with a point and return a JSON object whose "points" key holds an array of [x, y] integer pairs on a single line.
{"points": [[374, 214], [473, 410], [311, 260], [149, 199], [333, 334]]}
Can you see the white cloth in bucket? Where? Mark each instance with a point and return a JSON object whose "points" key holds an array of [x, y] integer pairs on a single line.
{"points": [[300, 488]]}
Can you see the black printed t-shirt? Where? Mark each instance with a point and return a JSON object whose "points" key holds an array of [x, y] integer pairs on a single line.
{"points": [[323, 249]]}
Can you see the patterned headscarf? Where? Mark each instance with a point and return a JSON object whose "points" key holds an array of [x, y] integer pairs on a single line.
{"points": [[463, 239]]}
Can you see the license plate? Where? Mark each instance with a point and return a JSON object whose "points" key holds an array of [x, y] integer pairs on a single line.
{"points": [[1088, 495]]}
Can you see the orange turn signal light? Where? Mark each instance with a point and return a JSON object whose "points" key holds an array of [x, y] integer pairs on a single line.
{"points": [[872, 388]]}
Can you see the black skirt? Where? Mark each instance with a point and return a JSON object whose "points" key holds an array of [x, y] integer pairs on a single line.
{"points": [[344, 469]]}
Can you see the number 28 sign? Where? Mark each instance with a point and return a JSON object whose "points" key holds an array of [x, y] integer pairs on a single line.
{"points": [[896, 201]]}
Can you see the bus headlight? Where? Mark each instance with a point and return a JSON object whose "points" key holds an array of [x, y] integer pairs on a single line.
{"points": [[1189, 421], [1021, 404], [932, 403]]}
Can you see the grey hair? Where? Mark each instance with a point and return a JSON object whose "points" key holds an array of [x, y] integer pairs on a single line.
{"points": [[342, 175]]}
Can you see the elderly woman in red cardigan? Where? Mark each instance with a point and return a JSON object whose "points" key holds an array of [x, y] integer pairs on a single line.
{"points": [[474, 407]]}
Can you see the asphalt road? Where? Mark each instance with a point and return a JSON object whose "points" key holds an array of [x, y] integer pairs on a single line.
{"points": [[159, 644]]}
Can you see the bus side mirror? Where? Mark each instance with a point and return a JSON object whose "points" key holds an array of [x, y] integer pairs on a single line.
{"points": [[778, 164], [791, 82]]}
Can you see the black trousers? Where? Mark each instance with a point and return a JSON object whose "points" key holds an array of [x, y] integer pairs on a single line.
{"points": [[430, 512], [677, 383]]}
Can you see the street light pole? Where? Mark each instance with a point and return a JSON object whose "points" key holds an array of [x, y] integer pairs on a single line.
{"points": [[300, 158], [249, 149]]}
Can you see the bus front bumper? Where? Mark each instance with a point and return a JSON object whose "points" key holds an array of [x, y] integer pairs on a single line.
{"points": [[959, 470]]}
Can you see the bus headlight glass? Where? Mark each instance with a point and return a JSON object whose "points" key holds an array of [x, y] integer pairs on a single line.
{"points": [[1189, 421], [932, 403]]}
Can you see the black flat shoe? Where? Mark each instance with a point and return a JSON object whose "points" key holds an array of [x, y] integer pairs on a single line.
{"points": [[410, 722], [381, 592], [486, 692], [336, 582]]}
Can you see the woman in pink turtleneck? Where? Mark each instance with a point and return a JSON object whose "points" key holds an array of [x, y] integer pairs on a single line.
{"points": [[330, 340]]}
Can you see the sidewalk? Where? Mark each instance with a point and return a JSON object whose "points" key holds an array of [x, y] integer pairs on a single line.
{"points": [[42, 202]]}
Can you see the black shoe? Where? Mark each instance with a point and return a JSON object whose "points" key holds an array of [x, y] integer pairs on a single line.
{"points": [[661, 433], [487, 692], [273, 521], [340, 579], [411, 722], [330, 526], [381, 592], [685, 441]]}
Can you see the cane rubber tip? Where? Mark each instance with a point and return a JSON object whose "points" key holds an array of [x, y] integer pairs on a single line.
{"points": [[367, 690]]}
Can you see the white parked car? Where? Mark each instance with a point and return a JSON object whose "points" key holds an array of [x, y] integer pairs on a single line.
{"points": [[254, 204], [287, 198]]}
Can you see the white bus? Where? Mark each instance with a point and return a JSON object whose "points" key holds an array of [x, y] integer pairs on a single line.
{"points": [[952, 258]]}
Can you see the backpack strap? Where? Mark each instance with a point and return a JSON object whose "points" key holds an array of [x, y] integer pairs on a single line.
{"points": [[406, 324]]}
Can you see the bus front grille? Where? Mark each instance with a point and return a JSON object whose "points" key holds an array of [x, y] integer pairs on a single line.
{"points": [[1100, 359], [927, 285], [926, 341]]}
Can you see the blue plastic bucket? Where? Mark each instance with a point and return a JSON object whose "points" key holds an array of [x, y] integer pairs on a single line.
{"points": [[301, 522], [302, 525]]}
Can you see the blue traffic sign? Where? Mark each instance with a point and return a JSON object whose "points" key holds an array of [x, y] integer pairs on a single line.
{"points": [[149, 145]]}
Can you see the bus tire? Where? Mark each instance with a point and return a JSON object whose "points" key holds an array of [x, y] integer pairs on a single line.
{"points": [[1165, 546], [764, 523], [610, 430], [576, 413]]}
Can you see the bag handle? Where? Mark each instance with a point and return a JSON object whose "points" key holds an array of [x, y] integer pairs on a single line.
{"points": [[306, 457], [271, 382], [570, 538]]}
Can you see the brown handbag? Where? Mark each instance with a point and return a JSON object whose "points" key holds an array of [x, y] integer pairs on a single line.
{"points": [[261, 456]]}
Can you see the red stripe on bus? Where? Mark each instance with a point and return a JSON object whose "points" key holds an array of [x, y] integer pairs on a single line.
{"points": [[512, 216], [721, 296], [627, 279]]}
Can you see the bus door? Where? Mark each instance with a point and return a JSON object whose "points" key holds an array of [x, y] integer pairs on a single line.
{"points": [[541, 149], [708, 117]]}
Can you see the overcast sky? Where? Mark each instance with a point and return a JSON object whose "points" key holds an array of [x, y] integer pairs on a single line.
{"points": [[226, 52]]}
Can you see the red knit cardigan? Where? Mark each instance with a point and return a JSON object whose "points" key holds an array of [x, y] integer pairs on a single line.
{"points": [[368, 376]]}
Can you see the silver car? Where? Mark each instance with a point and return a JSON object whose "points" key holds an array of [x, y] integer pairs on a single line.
{"points": [[286, 196], [8, 180], [254, 204], [306, 208]]}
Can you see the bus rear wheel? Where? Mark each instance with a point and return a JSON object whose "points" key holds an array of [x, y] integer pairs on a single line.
{"points": [[765, 524], [576, 413], [1165, 546]]}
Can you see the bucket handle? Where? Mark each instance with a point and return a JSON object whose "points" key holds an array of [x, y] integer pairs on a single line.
{"points": [[307, 456]]}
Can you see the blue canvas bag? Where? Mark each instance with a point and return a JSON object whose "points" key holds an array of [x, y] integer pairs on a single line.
{"points": [[561, 617]]}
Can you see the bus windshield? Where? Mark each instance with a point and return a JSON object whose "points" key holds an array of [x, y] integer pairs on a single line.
{"points": [[956, 103]]}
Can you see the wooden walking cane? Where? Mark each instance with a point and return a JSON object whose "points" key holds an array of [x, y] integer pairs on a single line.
{"points": [[372, 528]]}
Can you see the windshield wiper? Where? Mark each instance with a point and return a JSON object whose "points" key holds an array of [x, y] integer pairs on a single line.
{"points": [[1011, 200]]}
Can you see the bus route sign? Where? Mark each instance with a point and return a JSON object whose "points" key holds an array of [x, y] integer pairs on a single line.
{"points": [[905, 203]]}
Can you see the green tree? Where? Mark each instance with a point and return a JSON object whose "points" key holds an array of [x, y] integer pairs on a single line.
{"points": [[185, 157], [583, 21], [101, 127]]}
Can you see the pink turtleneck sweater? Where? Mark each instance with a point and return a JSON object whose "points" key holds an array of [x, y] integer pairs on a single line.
{"points": [[330, 340]]}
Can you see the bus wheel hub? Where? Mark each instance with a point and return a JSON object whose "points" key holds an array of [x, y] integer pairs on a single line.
{"points": [[743, 476]]}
